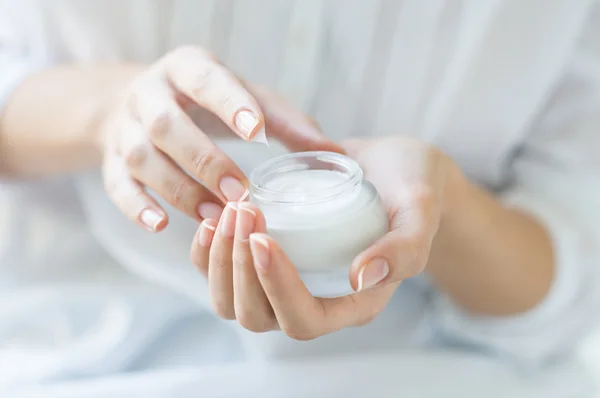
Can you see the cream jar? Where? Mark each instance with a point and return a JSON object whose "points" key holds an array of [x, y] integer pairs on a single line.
{"points": [[321, 212]]}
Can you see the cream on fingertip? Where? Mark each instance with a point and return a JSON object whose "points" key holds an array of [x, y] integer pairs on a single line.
{"points": [[261, 137]]}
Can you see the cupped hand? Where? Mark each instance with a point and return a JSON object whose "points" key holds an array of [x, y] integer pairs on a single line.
{"points": [[149, 140], [252, 281]]}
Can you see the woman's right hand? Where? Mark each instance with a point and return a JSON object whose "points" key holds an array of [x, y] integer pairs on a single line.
{"points": [[150, 141]]}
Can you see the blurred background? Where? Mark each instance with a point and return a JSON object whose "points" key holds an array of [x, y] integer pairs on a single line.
{"points": [[317, 66]]}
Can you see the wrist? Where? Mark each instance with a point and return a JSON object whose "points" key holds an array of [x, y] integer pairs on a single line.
{"points": [[100, 120], [455, 198], [455, 195]]}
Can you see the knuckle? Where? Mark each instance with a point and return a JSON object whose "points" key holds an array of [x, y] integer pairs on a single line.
{"points": [[204, 161], [219, 261], [160, 127], [136, 155], [204, 79], [230, 104], [177, 192]]}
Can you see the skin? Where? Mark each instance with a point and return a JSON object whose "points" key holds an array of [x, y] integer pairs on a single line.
{"points": [[489, 259], [134, 121]]}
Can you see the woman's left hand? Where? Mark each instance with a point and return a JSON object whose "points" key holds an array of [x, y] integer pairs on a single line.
{"points": [[252, 280]]}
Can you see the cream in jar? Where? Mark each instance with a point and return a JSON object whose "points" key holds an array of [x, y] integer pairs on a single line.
{"points": [[321, 212]]}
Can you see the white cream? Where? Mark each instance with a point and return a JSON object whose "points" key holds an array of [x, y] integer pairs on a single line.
{"points": [[321, 213]]}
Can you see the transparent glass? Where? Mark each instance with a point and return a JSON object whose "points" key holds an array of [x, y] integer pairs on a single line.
{"points": [[321, 212]]}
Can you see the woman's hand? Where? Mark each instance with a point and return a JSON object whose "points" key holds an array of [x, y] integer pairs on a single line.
{"points": [[252, 280], [150, 141]]}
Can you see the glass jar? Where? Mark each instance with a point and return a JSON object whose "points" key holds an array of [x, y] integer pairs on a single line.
{"points": [[321, 212]]}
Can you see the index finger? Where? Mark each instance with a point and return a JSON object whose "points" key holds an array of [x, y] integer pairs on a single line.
{"points": [[195, 73], [299, 314]]}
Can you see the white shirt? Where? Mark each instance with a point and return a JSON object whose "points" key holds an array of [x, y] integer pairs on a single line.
{"points": [[509, 89]]}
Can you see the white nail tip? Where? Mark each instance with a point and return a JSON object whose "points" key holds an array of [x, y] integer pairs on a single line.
{"points": [[208, 226], [260, 240], [360, 279], [150, 219], [244, 196], [245, 208]]}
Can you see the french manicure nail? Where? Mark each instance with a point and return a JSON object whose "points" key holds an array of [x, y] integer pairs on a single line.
{"points": [[245, 222], [210, 210], [151, 219], [232, 189], [227, 226], [260, 252], [372, 273], [246, 122], [207, 232]]}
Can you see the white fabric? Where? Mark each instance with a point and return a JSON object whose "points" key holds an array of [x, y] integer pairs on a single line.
{"points": [[510, 89], [375, 375]]}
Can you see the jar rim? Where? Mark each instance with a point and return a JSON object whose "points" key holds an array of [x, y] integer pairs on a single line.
{"points": [[344, 164]]}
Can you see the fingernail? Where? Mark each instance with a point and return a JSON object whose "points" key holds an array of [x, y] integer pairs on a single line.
{"points": [[210, 210], [260, 251], [232, 189], [245, 222], [151, 219], [207, 232], [244, 196], [246, 122], [227, 226], [372, 273]]}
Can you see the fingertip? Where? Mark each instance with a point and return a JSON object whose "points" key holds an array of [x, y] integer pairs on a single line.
{"points": [[358, 266], [260, 246], [351, 146], [154, 220], [332, 147], [210, 224], [210, 210], [162, 225], [372, 273], [228, 220], [248, 123], [249, 206], [263, 239], [260, 137], [260, 225], [207, 232]]}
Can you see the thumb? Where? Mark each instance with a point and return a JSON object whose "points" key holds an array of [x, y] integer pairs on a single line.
{"points": [[289, 125], [400, 254]]}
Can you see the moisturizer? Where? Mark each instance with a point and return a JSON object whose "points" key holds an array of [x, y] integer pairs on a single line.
{"points": [[321, 212]]}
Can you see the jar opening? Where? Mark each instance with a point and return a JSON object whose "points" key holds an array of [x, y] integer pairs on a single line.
{"points": [[305, 178]]}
